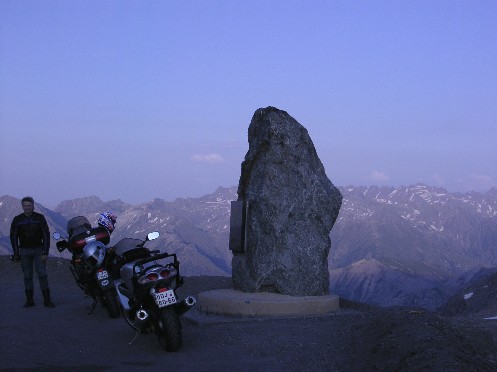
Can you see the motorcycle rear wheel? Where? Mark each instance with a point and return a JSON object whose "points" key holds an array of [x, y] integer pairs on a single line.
{"points": [[112, 304], [169, 330]]}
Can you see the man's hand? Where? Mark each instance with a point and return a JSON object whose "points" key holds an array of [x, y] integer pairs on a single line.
{"points": [[44, 258], [15, 258]]}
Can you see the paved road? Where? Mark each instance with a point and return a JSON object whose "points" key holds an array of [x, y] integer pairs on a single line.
{"points": [[353, 339], [66, 336]]}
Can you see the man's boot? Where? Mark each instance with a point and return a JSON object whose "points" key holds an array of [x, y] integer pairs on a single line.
{"points": [[29, 298], [46, 298]]}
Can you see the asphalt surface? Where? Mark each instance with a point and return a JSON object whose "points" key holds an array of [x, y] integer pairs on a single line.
{"points": [[67, 336], [354, 338]]}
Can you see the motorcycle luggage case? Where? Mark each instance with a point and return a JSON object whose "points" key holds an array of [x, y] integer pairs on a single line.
{"points": [[77, 225], [77, 242]]}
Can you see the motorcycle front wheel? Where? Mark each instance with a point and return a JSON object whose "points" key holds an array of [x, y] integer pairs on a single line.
{"points": [[169, 330]]}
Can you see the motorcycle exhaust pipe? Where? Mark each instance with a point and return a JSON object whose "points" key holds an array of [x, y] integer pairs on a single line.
{"points": [[141, 318], [185, 305]]}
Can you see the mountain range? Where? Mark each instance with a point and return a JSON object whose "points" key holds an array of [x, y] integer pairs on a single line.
{"points": [[412, 245]]}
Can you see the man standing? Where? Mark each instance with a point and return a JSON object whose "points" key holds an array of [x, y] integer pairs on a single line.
{"points": [[30, 239]]}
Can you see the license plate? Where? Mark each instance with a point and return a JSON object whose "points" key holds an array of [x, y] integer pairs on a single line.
{"points": [[103, 278], [164, 299], [102, 274]]}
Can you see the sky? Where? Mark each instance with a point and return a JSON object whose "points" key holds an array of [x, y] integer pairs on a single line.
{"points": [[136, 100]]}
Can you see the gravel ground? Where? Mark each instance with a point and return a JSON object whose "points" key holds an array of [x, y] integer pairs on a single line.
{"points": [[358, 337]]}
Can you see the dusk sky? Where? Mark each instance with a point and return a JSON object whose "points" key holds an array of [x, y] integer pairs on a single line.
{"points": [[136, 100]]}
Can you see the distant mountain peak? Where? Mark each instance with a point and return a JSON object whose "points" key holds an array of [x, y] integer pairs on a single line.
{"points": [[390, 245]]}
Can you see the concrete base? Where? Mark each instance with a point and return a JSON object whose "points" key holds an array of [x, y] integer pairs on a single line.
{"points": [[238, 303]]}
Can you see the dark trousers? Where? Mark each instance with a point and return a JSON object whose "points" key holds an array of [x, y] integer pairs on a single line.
{"points": [[32, 257]]}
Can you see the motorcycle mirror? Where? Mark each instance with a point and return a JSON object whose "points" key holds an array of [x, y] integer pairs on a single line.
{"points": [[56, 235], [153, 235]]}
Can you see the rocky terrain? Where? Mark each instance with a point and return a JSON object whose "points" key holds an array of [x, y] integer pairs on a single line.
{"points": [[418, 239]]}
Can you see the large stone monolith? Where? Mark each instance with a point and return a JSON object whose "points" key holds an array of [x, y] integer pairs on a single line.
{"points": [[292, 206]]}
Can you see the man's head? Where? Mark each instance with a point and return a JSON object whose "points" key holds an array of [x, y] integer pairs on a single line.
{"points": [[28, 205]]}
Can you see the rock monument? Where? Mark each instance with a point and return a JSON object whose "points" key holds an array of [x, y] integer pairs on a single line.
{"points": [[291, 207]]}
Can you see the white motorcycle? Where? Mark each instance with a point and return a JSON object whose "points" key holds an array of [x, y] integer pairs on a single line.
{"points": [[146, 288]]}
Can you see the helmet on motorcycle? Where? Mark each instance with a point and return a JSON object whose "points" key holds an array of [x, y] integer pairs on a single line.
{"points": [[107, 220], [94, 254]]}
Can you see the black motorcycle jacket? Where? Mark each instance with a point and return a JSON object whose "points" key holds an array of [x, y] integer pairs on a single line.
{"points": [[30, 232]]}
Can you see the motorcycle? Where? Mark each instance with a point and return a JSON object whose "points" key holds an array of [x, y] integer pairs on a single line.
{"points": [[146, 288], [89, 261]]}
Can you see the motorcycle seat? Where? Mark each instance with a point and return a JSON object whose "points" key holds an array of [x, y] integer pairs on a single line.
{"points": [[135, 254]]}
